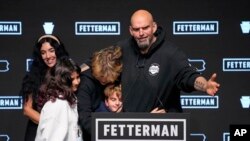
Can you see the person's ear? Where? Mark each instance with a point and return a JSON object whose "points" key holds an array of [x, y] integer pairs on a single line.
{"points": [[154, 27]]}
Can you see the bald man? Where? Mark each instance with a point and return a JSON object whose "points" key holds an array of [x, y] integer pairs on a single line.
{"points": [[155, 71]]}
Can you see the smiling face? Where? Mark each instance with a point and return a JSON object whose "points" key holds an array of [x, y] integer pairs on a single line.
{"points": [[48, 54], [113, 97], [113, 102], [75, 80]]}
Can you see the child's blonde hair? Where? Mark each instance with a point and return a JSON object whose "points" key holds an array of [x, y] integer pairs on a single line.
{"points": [[113, 89]]}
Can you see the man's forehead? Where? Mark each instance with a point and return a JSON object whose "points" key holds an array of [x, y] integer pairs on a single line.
{"points": [[140, 24]]}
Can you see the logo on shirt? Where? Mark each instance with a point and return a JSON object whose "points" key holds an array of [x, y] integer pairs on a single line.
{"points": [[154, 69]]}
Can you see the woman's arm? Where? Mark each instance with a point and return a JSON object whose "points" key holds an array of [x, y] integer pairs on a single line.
{"points": [[28, 110]]}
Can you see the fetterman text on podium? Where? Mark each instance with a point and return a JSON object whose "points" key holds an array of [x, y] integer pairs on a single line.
{"points": [[140, 127]]}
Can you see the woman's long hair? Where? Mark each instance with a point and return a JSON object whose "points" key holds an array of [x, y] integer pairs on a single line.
{"points": [[33, 79], [58, 83]]}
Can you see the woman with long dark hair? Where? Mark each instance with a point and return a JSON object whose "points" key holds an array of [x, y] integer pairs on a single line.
{"points": [[46, 51]]}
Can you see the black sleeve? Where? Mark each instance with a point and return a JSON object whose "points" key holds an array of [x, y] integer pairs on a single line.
{"points": [[85, 104], [89, 95], [186, 74]]}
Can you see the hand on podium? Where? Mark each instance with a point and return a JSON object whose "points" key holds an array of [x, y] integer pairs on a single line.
{"points": [[158, 110]]}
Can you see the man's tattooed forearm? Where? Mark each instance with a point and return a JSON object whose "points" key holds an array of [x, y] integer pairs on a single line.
{"points": [[199, 85]]}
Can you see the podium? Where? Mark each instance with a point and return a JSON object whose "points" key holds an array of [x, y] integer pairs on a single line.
{"points": [[108, 126]]}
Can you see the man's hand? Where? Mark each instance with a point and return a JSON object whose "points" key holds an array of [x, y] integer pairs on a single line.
{"points": [[212, 86], [157, 110]]}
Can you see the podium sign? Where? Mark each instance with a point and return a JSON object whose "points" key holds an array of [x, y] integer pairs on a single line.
{"points": [[140, 127]]}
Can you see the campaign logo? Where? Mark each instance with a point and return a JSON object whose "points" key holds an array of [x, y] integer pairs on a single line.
{"points": [[245, 27], [236, 64], [48, 27], [245, 101], [10, 28], [226, 136], [4, 65], [11, 102], [140, 126], [198, 137], [97, 28], [154, 69], [4, 137], [28, 64], [198, 63], [199, 102], [195, 27]]}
